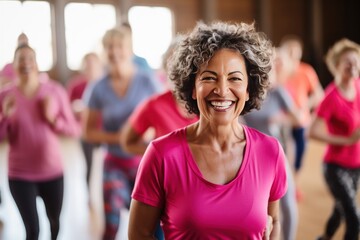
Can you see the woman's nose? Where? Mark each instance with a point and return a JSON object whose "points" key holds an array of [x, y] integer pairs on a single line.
{"points": [[222, 87]]}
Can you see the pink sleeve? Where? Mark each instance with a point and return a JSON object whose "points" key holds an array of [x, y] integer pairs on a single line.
{"points": [[325, 108], [279, 185], [8, 72], [139, 119], [65, 122], [148, 187]]}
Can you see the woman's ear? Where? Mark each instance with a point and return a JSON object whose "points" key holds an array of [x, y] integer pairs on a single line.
{"points": [[193, 94]]}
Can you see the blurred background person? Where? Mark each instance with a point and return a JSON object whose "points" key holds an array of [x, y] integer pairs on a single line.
{"points": [[91, 70], [161, 114], [304, 87], [276, 114], [337, 123], [33, 114], [155, 117], [112, 99]]}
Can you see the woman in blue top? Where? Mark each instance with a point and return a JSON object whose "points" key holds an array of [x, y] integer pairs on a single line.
{"points": [[111, 100]]}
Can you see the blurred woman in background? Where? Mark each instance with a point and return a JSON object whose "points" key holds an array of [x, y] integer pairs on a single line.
{"points": [[337, 123], [112, 99], [33, 113]]}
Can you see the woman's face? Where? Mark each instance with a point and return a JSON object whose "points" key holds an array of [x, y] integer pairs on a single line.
{"points": [[349, 65], [25, 62], [221, 87], [118, 50]]}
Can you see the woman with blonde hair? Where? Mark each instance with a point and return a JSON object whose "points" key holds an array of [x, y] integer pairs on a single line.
{"points": [[112, 99], [337, 123]]}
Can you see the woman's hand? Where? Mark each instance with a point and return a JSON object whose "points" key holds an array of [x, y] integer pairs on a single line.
{"points": [[268, 229], [9, 106], [355, 136], [46, 108]]}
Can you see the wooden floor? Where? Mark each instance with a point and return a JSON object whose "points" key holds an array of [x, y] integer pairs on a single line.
{"points": [[80, 222]]}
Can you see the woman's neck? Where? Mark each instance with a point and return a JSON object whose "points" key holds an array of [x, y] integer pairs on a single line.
{"points": [[346, 87], [123, 70], [29, 85], [220, 137]]}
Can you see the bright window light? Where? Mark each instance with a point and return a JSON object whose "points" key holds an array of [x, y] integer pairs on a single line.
{"points": [[152, 32], [85, 25], [34, 19]]}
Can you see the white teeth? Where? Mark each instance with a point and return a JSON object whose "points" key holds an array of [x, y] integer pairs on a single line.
{"points": [[221, 103]]}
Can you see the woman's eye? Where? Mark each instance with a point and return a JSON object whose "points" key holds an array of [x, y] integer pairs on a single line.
{"points": [[235, 79], [208, 78]]}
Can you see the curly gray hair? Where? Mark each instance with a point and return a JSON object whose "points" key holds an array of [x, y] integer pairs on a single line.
{"points": [[199, 46]]}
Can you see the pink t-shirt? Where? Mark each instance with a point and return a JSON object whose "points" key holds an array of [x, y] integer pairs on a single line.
{"points": [[193, 208], [34, 152], [76, 87], [8, 72], [161, 113], [342, 117]]}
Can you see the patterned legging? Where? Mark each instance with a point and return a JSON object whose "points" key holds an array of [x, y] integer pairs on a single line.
{"points": [[343, 185], [117, 187]]}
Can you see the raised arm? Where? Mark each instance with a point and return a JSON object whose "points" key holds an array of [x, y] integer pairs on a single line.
{"points": [[65, 122], [7, 108]]}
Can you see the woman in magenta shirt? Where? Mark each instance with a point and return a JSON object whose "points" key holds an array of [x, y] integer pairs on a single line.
{"points": [[33, 113], [214, 179], [337, 123]]}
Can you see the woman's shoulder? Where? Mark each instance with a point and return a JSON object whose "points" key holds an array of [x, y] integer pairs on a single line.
{"points": [[170, 141], [255, 137], [100, 85], [6, 89], [260, 144], [148, 79]]}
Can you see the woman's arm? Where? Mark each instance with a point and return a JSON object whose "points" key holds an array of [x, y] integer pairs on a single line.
{"points": [[318, 131], [273, 212], [142, 221], [93, 133], [63, 122], [7, 109], [131, 141]]}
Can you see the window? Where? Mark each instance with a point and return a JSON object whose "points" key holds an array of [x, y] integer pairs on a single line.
{"points": [[34, 19], [152, 29], [85, 25]]}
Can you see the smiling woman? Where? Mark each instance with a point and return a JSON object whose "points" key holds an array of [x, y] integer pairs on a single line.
{"points": [[203, 180], [221, 86]]}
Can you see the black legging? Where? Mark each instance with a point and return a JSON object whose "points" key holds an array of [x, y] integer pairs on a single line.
{"points": [[25, 193], [343, 184], [88, 150]]}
